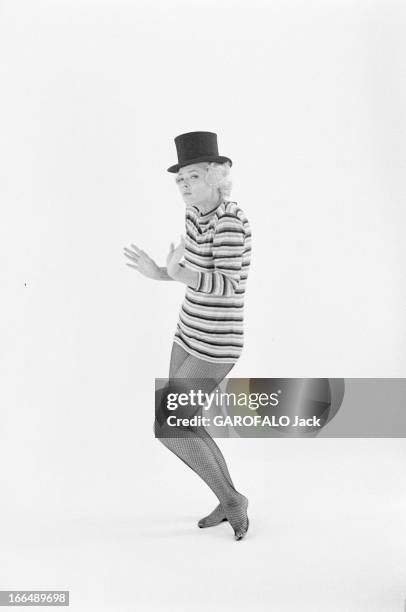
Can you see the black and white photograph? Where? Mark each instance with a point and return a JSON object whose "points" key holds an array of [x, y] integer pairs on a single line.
{"points": [[203, 283]]}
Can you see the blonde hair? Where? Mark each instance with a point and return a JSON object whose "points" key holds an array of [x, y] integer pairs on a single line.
{"points": [[218, 175]]}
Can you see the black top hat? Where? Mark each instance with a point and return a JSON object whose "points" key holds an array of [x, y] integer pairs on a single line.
{"points": [[195, 147]]}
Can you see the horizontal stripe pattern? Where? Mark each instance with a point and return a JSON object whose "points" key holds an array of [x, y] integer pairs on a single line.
{"points": [[218, 247]]}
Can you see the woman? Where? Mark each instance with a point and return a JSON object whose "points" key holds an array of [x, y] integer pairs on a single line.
{"points": [[209, 335]]}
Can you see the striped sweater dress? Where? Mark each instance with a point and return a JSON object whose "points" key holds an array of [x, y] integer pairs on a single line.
{"points": [[211, 319]]}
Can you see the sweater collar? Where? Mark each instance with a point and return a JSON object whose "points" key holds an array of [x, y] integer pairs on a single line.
{"points": [[206, 216]]}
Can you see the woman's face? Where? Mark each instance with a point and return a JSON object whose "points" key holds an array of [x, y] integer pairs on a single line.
{"points": [[192, 185]]}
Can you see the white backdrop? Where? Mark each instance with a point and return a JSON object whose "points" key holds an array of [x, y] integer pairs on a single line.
{"points": [[308, 100]]}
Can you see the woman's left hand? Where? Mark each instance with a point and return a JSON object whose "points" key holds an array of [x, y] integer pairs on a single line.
{"points": [[174, 257]]}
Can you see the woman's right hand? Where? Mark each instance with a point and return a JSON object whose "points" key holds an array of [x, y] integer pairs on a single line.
{"points": [[142, 262]]}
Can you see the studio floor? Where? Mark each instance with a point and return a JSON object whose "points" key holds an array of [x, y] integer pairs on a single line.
{"points": [[327, 534]]}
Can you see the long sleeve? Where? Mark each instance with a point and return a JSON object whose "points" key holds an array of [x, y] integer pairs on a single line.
{"points": [[228, 248]]}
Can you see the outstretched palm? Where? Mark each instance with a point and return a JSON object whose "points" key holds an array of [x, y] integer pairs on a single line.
{"points": [[142, 262]]}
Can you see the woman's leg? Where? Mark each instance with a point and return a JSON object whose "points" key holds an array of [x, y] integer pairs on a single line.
{"points": [[178, 356], [199, 451], [217, 516]]}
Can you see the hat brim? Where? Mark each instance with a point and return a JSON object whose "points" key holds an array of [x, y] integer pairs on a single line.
{"points": [[220, 159]]}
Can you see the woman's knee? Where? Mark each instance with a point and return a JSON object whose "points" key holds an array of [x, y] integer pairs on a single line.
{"points": [[173, 400]]}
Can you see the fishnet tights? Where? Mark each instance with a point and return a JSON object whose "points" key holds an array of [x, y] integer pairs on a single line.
{"points": [[196, 448]]}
